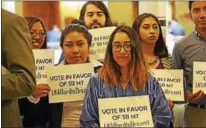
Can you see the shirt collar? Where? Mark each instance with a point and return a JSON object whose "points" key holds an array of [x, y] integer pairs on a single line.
{"points": [[199, 36]]}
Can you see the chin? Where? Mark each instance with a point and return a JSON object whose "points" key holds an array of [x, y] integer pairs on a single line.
{"points": [[34, 47], [152, 41], [77, 62], [123, 64]]}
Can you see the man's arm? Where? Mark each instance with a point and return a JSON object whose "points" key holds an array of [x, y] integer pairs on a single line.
{"points": [[17, 54], [176, 57], [178, 64]]}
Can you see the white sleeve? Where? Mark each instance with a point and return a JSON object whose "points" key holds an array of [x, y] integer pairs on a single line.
{"points": [[33, 100]]}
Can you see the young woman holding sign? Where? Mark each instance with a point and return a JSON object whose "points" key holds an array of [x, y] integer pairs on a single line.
{"points": [[35, 113], [154, 48], [124, 74], [75, 42]]}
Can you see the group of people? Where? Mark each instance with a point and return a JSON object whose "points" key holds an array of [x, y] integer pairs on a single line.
{"points": [[130, 53]]}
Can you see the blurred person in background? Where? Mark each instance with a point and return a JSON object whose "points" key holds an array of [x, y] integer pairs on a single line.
{"points": [[95, 15], [54, 34]]}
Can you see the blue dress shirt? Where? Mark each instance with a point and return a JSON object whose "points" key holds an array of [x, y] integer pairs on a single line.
{"points": [[97, 88]]}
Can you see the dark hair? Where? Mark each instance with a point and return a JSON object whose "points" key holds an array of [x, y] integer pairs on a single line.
{"points": [[190, 5], [138, 71], [31, 20], [76, 26], [100, 5], [160, 48], [75, 21]]}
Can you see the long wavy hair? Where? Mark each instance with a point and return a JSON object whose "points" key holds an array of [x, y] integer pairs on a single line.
{"points": [[102, 7], [32, 20], [138, 71], [160, 48]]}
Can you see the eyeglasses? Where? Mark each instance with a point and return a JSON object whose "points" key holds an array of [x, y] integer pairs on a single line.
{"points": [[35, 33], [118, 47]]}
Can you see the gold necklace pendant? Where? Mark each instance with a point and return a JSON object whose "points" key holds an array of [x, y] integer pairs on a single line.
{"points": [[153, 62]]}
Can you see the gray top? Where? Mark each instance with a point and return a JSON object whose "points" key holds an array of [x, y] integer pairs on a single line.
{"points": [[189, 49]]}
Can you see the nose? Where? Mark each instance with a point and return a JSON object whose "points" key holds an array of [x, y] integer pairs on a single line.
{"points": [[95, 18], [75, 49], [203, 13], [37, 36], [152, 30], [122, 50]]}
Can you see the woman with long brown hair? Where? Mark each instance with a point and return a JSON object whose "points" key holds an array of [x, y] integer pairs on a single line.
{"points": [[148, 28], [124, 74]]}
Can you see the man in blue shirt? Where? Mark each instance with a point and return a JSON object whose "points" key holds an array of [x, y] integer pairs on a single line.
{"points": [[176, 29]]}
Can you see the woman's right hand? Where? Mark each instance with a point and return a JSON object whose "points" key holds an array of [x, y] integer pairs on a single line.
{"points": [[41, 90], [170, 103]]}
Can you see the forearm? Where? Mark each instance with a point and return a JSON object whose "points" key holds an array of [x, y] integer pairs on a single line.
{"points": [[16, 85]]}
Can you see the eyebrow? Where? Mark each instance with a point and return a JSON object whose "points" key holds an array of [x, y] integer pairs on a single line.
{"points": [[37, 30], [128, 42], [80, 41], [117, 42], [196, 8], [95, 12], [72, 41], [67, 41], [149, 24]]}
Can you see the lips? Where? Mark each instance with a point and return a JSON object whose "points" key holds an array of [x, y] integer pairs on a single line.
{"points": [[37, 42], [95, 25], [202, 22], [152, 37], [76, 57], [122, 57], [36, 45]]}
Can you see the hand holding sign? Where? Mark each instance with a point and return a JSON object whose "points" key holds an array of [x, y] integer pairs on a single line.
{"points": [[195, 98], [170, 103], [41, 90]]}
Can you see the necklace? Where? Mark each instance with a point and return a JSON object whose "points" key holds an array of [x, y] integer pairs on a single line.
{"points": [[154, 61]]}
